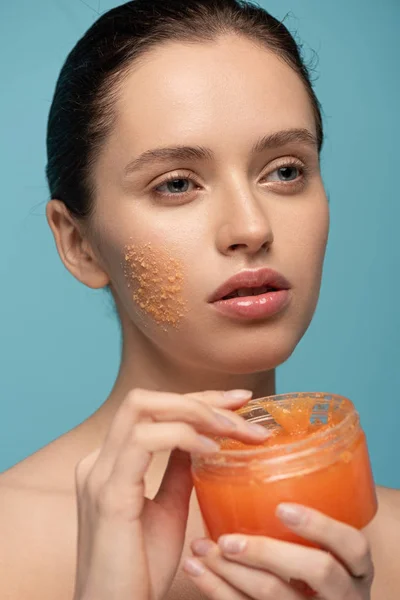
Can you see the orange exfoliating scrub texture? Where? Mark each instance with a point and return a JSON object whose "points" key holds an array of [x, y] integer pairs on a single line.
{"points": [[156, 280]]}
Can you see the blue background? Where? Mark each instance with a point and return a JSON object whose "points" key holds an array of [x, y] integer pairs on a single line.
{"points": [[60, 342]]}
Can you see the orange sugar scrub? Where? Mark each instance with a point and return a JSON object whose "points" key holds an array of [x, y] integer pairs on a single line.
{"points": [[156, 280], [316, 456]]}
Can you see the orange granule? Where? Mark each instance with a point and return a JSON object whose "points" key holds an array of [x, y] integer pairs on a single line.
{"points": [[293, 423], [157, 282]]}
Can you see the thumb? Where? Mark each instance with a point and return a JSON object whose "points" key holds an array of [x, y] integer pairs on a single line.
{"points": [[176, 486]]}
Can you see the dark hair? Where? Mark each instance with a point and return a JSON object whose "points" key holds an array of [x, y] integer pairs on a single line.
{"points": [[83, 107]]}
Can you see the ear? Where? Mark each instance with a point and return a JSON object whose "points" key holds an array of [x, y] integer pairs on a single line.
{"points": [[73, 246]]}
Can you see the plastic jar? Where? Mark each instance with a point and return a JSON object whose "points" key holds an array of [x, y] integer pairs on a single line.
{"points": [[317, 456]]}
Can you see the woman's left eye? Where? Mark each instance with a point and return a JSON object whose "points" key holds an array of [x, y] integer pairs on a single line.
{"points": [[285, 173], [175, 186]]}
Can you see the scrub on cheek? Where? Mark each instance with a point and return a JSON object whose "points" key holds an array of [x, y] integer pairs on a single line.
{"points": [[156, 280]]}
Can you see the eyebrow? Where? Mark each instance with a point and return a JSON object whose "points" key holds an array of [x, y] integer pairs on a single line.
{"points": [[267, 142]]}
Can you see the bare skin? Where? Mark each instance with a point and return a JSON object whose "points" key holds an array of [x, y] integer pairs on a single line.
{"points": [[225, 96], [39, 526]]}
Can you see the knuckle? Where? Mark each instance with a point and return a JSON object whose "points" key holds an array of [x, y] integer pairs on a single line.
{"points": [[83, 468], [347, 590], [133, 397], [215, 589], [320, 524], [370, 576], [111, 501], [92, 486], [361, 548], [199, 406], [107, 500], [270, 589], [326, 568], [80, 471], [184, 433], [79, 481], [206, 412]]}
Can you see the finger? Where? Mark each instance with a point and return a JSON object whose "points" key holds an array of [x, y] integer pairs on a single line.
{"points": [[177, 484], [256, 583], [231, 399], [209, 583], [161, 406], [319, 569], [146, 438], [245, 431], [121, 426], [206, 419], [158, 437], [195, 411], [348, 544], [168, 407], [121, 495]]}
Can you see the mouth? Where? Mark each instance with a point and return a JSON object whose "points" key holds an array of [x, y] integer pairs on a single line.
{"points": [[246, 292], [252, 295], [250, 283]]}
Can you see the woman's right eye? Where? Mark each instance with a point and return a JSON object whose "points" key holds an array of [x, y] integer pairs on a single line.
{"points": [[288, 173], [175, 187]]}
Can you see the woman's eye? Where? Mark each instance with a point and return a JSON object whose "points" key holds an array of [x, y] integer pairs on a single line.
{"points": [[173, 187], [179, 187], [283, 174]]}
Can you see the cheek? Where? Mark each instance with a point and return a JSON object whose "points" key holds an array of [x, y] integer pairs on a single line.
{"points": [[303, 251], [318, 232], [310, 235], [312, 254], [155, 282]]}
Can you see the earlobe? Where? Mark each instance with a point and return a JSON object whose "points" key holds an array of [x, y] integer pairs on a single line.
{"points": [[73, 247]]}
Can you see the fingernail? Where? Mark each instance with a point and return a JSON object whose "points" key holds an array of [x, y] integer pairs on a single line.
{"points": [[289, 514], [193, 567], [208, 444], [232, 544], [258, 430], [238, 394], [201, 547], [225, 422]]}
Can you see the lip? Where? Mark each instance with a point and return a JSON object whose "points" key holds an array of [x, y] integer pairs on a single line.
{"points": [[250, 279], [253, 307]]}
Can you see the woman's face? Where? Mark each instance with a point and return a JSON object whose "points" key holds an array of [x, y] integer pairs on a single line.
{"points": [[167, 246]]}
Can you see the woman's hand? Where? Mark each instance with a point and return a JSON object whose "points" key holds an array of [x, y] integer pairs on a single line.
{"points": [[129, 546], [241, 567]]}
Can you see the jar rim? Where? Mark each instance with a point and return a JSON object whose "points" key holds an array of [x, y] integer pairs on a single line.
{"points": [[297, 448]]}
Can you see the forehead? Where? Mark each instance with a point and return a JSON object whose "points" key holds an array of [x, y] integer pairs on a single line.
{"points": [[227, 90]]}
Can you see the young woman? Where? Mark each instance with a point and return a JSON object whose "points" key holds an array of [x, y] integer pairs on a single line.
{"points": [[183, 165]]}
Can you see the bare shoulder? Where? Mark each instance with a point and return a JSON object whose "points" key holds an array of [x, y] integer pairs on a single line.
{"points": [[390, 499], [384, 536], [38, 528], [386, 525]]}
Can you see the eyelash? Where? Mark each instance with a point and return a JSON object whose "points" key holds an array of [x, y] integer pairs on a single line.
{"points": [[303, 169]]}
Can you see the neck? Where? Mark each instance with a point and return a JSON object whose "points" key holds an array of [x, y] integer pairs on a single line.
{"points": [[145, 366]]}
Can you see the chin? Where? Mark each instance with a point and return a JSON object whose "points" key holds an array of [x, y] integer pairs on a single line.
{"points": [[253, 363], [252, 355], [259, 348]]}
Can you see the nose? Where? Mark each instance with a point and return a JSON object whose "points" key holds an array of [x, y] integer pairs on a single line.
{"points": [[244, 226]]}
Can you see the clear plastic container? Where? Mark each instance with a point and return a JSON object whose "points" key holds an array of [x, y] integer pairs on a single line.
{"points": [[317, 456]]}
